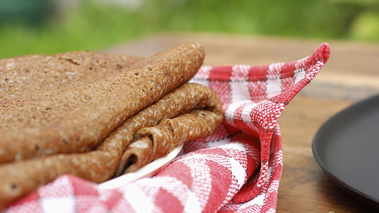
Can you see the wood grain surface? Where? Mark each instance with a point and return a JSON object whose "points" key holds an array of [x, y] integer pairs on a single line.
{"points": [[350, 75]]}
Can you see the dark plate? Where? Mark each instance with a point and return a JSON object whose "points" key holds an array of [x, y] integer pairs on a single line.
{"points": [[347, 148]]}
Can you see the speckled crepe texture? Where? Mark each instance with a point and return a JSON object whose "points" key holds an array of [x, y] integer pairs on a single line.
{"points": [[77, 112], [79, 119]]}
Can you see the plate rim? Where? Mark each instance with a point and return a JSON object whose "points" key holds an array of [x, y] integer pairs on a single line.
{"points": [[321, 163]]}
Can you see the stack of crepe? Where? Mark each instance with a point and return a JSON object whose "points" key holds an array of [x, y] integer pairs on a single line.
{"points": [[97, 115]]}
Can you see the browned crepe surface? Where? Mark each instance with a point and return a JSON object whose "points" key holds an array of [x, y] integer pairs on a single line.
{"points": [[183, 100], [28, 79], [100, 165], [158, 141], [77, 113], [80, 118]]}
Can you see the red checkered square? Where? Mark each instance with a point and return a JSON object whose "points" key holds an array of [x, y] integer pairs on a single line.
{"points": [[61, 187]]}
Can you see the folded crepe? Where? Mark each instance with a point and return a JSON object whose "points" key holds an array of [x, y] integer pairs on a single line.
{"points": [[78, 112], [157, 140]]}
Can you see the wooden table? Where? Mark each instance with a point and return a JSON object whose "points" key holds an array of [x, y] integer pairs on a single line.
{"points": [[350, 75]]}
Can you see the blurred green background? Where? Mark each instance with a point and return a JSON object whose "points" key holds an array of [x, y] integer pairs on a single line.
{"points": [[52, 26]]}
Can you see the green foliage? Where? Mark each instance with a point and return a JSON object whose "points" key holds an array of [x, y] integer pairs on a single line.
{"points": [[88, 27], [299, 18], [94, 26], [365, 26]]}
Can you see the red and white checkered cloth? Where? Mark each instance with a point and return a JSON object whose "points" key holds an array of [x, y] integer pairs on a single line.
{"points": [[237, 169]]}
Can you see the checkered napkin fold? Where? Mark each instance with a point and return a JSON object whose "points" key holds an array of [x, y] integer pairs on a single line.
{"points": [[237, 169]]}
